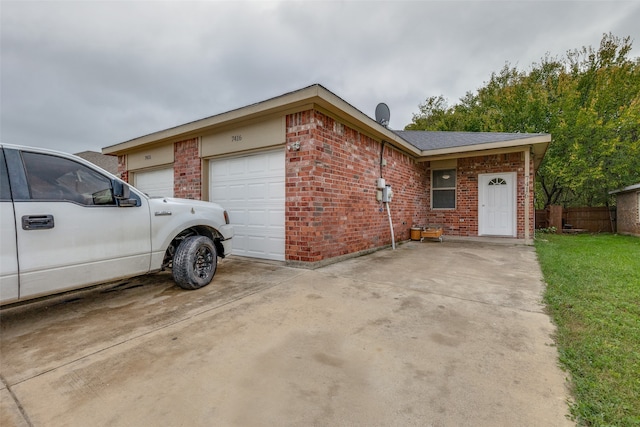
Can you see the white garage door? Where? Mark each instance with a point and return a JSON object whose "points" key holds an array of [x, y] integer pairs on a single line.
{"points": [[155, 183], [251, 188]]}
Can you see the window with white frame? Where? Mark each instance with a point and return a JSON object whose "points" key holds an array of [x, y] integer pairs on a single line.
{"points": [[443, 189]]}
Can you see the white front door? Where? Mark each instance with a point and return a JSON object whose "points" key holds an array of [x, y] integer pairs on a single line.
{"points": [[497, 204], [252, 190]]}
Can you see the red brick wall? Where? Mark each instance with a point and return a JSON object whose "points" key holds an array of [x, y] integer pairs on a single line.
{"points": [[463, 221], [331, 206], [122, 168], [187, 170], [627, 213]]}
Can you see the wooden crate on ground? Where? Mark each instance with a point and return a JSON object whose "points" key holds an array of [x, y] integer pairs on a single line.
{"points": [[427, 232]]}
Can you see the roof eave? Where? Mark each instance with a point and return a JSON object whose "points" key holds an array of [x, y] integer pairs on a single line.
{"points": [[534, 140], [359, 120], [625, 189], [303, 99], [538, 143]]}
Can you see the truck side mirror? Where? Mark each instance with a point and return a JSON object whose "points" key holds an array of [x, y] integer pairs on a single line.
{"points": [[120, 189], [122, 195]]}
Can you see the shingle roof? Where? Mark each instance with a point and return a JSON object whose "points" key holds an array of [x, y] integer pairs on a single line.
{"points": [[108, 163], [430, 140]]}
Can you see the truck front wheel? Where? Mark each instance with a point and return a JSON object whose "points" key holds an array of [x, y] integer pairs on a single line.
{"points": [[194, 262]]}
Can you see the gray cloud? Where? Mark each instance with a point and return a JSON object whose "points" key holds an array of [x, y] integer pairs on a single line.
{"points": [[85, 75]]}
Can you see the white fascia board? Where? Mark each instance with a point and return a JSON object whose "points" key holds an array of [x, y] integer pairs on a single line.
{"points": [[625, 189]]}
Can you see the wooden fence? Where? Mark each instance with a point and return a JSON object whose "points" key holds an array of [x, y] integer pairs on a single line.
{"points": [[591, 220]]}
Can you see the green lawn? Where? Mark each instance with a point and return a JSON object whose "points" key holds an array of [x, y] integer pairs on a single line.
{"points": [[593, 295]]}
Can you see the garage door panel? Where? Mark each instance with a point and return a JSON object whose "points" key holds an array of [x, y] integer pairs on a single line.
{"points": [[257, 245], [252, 189], [221, 191], [260, 247], [239, 215], [236, 167], [276, 191], [275, 167], [220, 171], [155, 183], [276, 218], [257, 218], [277, 242], [257, 192], [239, 241], [236, 192], [256, 164]]}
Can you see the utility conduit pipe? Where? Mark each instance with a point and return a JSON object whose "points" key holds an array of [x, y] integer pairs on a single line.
{"points": [[393, 240]]}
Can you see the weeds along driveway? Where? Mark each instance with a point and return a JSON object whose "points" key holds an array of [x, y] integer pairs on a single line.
{"points": [[429, 334]]}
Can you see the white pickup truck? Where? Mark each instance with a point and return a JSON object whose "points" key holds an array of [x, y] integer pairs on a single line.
{"points": [[66, 224]]}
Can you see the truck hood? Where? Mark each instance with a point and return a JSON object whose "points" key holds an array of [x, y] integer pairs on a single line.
{"points": [[169, 216]]}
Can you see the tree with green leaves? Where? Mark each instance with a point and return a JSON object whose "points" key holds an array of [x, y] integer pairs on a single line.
{"points": [[589, 101]]}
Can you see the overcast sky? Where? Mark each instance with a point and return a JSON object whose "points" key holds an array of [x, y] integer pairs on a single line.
{"points": [[83, 75]]}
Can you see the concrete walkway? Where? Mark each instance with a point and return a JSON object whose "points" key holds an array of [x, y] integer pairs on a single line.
{"points": [[431, 334]]}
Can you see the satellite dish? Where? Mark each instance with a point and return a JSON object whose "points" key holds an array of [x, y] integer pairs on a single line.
{"points": [[383, 114]]}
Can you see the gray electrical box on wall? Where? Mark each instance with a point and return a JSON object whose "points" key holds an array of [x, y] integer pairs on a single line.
{"points": [[387, 194]]}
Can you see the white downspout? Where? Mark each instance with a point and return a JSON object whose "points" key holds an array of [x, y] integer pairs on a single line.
{"points": [[393, 239]]}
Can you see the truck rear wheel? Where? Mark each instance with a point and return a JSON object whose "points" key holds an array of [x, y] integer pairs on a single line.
{"points": [[194, 262]]}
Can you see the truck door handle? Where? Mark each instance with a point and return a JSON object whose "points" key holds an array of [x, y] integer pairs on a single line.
{"points": [[37, 222]]}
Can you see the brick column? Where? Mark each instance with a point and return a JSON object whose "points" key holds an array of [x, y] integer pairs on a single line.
{"points": [[123, 173], [187, 170]]}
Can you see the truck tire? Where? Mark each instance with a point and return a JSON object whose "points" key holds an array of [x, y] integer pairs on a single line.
{"points": [[194, 262]]}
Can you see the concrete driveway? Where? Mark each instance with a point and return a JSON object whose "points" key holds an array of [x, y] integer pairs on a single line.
{"points": [[431, 334]]}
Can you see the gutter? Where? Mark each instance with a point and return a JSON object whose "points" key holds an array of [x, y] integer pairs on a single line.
{"points": [[625, 189]]}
